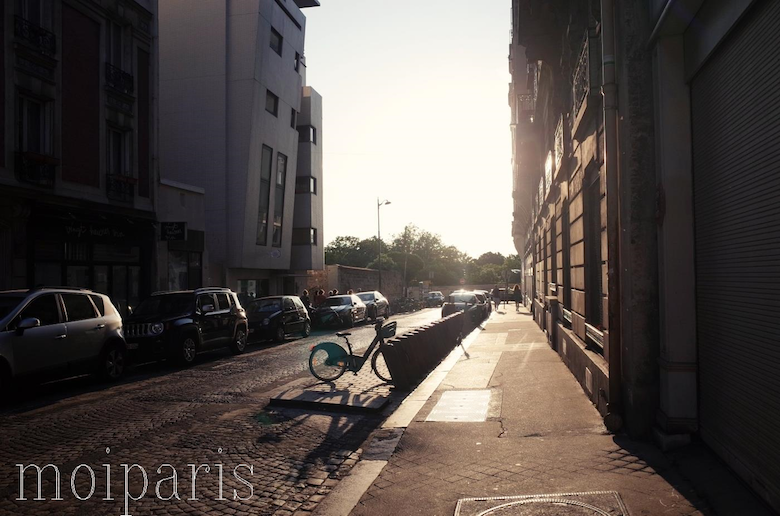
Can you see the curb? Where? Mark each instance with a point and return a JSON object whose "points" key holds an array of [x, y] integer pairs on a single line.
{"points": [[346, 495]]}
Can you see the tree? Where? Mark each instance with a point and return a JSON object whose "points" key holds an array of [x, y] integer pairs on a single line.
{"points": [[348, 250], [492, 258]]}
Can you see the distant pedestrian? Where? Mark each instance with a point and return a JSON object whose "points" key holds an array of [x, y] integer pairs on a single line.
{"points": [[518, 297], [350, 292], [496, 293], [305, 299], [319, 298]]}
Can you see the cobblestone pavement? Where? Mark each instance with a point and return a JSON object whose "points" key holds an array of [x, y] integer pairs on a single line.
{"points": [[210, 422]]}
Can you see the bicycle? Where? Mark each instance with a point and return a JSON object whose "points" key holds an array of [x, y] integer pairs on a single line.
{"points": [[329, 360]]}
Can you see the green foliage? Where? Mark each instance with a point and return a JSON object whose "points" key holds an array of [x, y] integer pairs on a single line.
{"points": [[426, 258]]}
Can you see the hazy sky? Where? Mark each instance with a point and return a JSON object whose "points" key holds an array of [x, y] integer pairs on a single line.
{"points": [[415, 111]]}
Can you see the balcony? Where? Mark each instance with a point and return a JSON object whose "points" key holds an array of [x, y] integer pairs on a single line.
{"points": [[38, 38], [120, 188], [586, 84], [119, 81], [36, 169]]}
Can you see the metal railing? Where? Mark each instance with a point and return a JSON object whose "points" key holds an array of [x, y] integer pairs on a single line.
{"points": [[119, 80], [35, 169], [559, 142], [581, 79], [39, 38], [120, 188]]}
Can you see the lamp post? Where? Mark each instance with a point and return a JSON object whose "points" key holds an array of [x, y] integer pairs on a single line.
{"points": [[379, 237]]}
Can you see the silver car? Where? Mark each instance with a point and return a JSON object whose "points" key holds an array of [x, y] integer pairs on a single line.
{"points": [[59, 330]]}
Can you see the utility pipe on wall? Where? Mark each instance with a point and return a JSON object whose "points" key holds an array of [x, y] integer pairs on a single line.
{"points": [[613, 419]]}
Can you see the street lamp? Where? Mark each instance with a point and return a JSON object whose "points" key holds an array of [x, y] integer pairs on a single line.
{"points": [[379, 237]]}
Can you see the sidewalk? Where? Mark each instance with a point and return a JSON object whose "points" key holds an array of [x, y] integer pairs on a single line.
{"points": [[538, 435]]}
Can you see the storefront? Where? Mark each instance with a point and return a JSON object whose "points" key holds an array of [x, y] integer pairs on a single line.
{"points": [[106, 253]]}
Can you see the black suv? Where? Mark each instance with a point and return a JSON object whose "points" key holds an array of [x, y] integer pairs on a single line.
{"points": [[179, 325]]}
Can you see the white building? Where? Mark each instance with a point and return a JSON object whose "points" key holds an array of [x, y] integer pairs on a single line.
{"points": [[231, 86]]}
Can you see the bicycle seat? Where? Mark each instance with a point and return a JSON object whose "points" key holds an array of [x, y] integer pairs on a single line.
{"points": [[343, 334]]}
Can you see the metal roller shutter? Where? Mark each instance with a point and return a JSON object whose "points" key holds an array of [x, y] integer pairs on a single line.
{"points": [[736, 160]]}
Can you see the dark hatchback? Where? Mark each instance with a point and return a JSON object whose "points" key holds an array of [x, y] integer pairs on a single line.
{"points": [[343, 310], [276, 317], [376, 304], [179, 325]]}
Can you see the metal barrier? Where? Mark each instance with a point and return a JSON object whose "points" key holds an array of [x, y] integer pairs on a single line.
{"points": [[411, 356]]}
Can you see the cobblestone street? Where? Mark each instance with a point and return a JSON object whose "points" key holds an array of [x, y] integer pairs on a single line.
{"points": [[210, 421]]}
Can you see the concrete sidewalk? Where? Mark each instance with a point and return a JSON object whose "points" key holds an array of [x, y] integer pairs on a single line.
{"points": [[507, 419]]}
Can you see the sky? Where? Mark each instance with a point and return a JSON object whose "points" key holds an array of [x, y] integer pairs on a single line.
{"points": [[415, 112]]}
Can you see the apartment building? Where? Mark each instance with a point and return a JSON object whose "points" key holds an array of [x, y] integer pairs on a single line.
{"points": [[238, 123], [77, 145], [645, 164]]}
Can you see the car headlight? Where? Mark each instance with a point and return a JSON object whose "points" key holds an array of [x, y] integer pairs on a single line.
{"points": [[157, 328], [266, 321]]}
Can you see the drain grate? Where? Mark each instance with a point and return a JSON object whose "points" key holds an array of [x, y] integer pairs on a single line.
{"points": [[461, 407], [594, 503]]}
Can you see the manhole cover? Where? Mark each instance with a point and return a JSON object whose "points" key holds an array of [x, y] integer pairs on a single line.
{"points": [[596, 503], [461, 406]]}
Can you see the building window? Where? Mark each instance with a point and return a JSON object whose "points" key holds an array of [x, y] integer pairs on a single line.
{"points": [[304, 236], [38, 12], [297, 62], [114, 47], [593, 256], [276, 41], [307, 133], [306, 185], [184, 270], [118, 152], [265, 192], [293, 117], [35, 126], [281, 179], [271, 103]]}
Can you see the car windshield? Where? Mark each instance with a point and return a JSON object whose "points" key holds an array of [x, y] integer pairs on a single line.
{"points": [[10, 301], [266, 305], [368, 296], [462, 298], [338, 301], [166, 304]]}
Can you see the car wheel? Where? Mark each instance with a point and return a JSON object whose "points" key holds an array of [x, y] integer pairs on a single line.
{"points": [[279, 334], [113, 362], [239, 341], [306, 329], [188, 350]]}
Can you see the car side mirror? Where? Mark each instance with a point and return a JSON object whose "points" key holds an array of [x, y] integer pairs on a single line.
{"points": [[207, 308], [27, 323]]}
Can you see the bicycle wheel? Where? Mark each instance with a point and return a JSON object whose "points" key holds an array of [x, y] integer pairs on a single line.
{"points": [[328, 363], [379, 366]]}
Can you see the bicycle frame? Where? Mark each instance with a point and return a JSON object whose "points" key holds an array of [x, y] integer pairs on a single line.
{"points": [[355, 362]]}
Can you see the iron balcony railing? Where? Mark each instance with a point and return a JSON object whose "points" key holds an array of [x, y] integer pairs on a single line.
{"points": [[559, 142], [581, 79], [119, 80], [39, 38], [120, 188], [35, 169]]}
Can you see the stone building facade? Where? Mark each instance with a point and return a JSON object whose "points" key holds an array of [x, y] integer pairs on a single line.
{"points": [[645, 183]]}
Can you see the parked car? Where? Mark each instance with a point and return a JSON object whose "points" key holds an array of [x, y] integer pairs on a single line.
{"points": [[276, 317], [345, 310], [488, 300], [179, 325], [376, 304], [462, 300], [434, 298], [59, 330], [483, 301]]}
